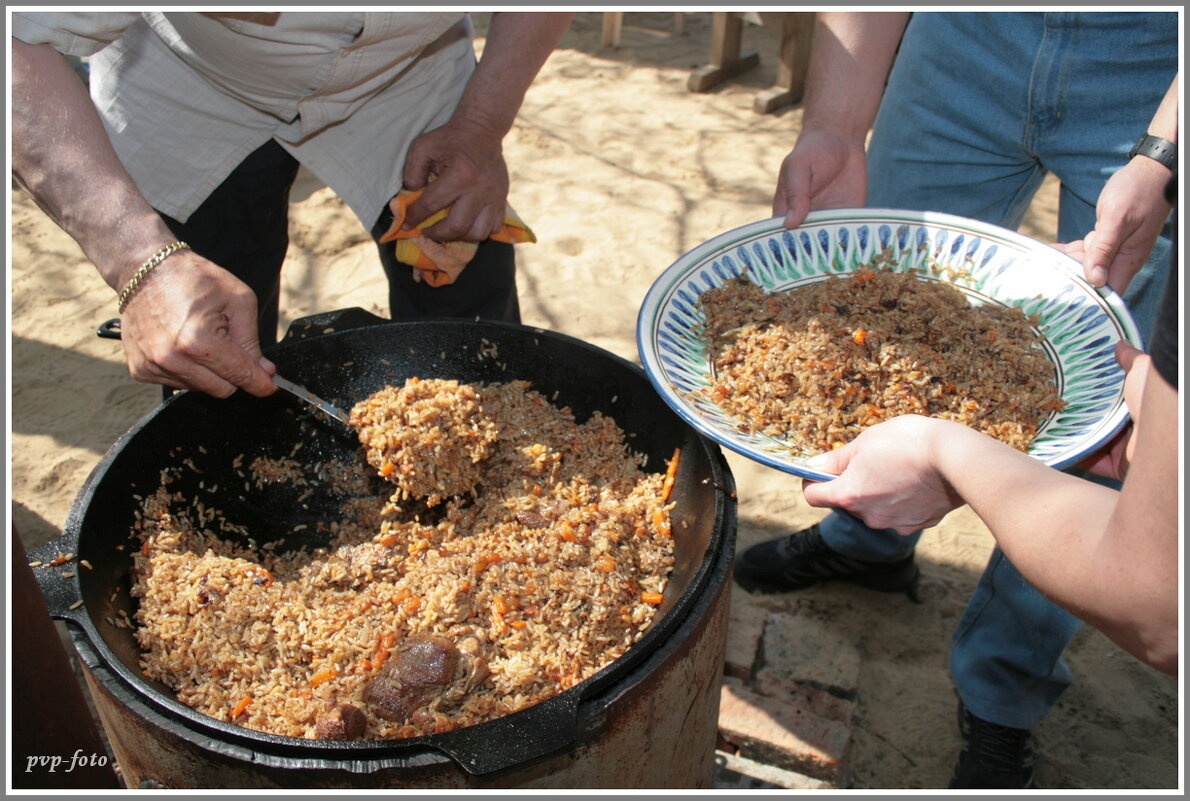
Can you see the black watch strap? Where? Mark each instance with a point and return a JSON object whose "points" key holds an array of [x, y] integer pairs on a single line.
{"points": [[1156, 148]]}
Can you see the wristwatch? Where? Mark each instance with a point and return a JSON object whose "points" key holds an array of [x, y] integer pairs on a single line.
{"points": [[1156, 148]]}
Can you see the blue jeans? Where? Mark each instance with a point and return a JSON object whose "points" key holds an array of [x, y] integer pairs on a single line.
{"points": [[978, 108]]}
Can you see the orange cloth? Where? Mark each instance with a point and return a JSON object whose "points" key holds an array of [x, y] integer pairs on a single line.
{"points": [[439, 263]]}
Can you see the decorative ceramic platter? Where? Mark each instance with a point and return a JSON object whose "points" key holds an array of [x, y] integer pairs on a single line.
{"points": [[991, 265]]}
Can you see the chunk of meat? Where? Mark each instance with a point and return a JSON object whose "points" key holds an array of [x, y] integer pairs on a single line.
{"points": [[475, 667], [421, 666], [527, 517], [344, 722]]}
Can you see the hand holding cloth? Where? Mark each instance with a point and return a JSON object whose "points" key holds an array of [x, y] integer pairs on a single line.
{"points": [[439, 263]]}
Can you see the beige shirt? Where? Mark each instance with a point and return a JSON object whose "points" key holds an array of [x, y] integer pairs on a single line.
{"points": [[185, 96]]}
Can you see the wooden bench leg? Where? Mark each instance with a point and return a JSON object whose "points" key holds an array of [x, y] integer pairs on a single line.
{"points": [[726, 62], [797, 33], [613, 26]]}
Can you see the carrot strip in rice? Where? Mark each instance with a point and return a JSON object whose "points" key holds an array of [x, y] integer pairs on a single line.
{"points": [[671, 474], [241, 706], [323, 676]]}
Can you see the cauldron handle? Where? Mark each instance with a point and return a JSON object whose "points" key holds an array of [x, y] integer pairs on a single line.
{"points": [[514, 740], [61, 590], [329, 322], [109, 329]]}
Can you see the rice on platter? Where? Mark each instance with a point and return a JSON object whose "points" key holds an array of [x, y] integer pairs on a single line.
{"points": [[518, 553], [816, 365]]}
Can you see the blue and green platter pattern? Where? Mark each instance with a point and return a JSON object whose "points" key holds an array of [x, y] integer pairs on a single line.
{"points": [[990, 264]]}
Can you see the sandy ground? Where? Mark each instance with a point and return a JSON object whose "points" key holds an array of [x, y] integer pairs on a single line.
{"points": [[619, 170]]}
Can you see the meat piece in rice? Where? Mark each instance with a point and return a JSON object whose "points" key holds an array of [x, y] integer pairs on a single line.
{"points": [[341, 722]]}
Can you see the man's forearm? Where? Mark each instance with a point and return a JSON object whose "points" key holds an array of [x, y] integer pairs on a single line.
{"points": [[517, 46], [1034, 512], [1108, 557], [850, 61], [62, 156], [1165, 120]]}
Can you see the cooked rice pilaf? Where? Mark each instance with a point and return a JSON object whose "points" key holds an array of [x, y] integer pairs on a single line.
{"points": [[543, 564], [816, 365]]}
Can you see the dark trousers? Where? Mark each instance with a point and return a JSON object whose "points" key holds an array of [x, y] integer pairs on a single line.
{"points": [[244, 228]]}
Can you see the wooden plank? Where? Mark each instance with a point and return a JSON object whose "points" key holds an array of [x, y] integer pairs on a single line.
{"points": [[797, 34], [726, 62], [613, 26]]}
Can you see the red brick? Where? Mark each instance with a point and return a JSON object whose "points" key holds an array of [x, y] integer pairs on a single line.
{"points": [[803, 696], [779, 733], [804, 648], [745, 627]]}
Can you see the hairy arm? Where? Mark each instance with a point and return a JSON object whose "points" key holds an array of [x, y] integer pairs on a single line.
{"points": [[61, 154], [192, 324]]}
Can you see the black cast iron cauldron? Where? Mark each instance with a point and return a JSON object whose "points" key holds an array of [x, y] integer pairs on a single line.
{"points": [[345, 356]]}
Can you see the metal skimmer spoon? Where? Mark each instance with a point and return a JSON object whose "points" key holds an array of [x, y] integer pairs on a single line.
{"points": [[324, 406]]}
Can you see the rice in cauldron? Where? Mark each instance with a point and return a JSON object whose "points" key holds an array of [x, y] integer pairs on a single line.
{"points": [[543, 565], [816, 365]]}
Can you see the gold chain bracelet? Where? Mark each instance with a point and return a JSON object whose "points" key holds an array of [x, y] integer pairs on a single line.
{"points": [[130, 288]]}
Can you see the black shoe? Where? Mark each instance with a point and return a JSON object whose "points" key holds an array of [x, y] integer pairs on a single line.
{"points": [[802, 559], [994, 757]]}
